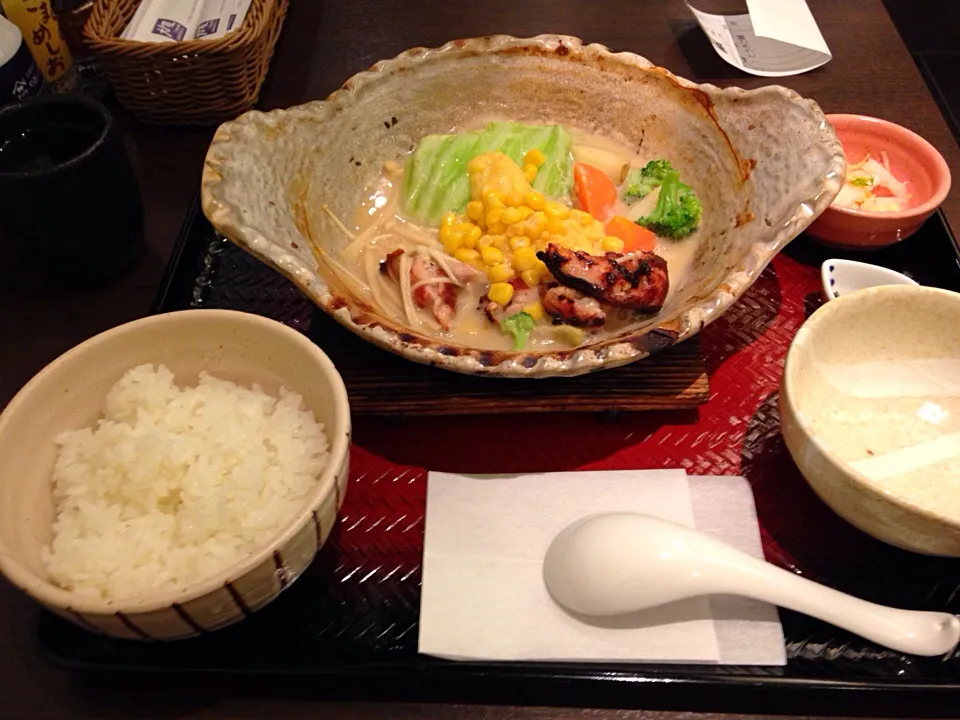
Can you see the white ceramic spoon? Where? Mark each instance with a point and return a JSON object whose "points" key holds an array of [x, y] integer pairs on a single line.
{"points": [[841, 277], [620, 563]]}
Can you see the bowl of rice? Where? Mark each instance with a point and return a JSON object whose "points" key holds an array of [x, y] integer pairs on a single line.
{"points": [[172, 475]]}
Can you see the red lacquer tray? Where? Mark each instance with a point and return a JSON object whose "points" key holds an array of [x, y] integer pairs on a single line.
{"points": [[351, 621]]}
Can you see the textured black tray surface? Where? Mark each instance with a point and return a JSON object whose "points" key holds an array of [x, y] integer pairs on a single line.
{"points": [[351, 621]]}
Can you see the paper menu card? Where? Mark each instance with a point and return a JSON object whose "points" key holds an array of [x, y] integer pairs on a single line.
{"points": [[483, 596], [776, 38]]}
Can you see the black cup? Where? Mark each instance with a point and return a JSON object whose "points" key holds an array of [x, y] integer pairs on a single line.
{"points": [[69, 202]]}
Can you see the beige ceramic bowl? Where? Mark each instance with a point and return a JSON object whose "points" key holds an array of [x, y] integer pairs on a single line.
{"points": [[68, 394], [764, 162], [870, 409]]}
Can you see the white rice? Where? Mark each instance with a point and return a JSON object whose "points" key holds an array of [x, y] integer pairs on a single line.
{"points": [[174, 485]]}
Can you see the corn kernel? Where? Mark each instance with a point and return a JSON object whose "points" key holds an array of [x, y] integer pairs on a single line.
{"points": [[468, 256], [450, 237], [534, 310], [500, 292], [491, 256], [594, 232], [466, 240], [531, 278], [524, 258], [510, 216], [515, 230], [485, 241], [492, 199], [471, 257], [501, 243], [519, 241], [474, 233], [474, 210], [534, 200], [549, 237], [500, 273], [584, 218], [493, 216], [538, 223], [612, 244], [525, 211], [530, 172], [554, 209], [448, 219], [584, 245], [535, 157], [557, 226], [516, 196]]}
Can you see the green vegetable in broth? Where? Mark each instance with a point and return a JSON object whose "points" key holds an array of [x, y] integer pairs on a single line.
{"points": [[519, 326], [436, 179], [678, 209], [641, 182]]}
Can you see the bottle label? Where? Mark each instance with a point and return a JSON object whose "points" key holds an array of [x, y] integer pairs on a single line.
{"points": [[20, 77], [41, 33]]}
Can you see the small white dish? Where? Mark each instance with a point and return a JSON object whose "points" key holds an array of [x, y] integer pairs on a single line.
{"points": [[842, 277]]}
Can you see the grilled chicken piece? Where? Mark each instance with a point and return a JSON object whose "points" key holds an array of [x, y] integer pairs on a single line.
{"points": [[571, 307], [639, 282], [523, 295], [439, 297]]}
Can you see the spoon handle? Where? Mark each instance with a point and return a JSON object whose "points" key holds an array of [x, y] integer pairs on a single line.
{"points": [[909, 631]]}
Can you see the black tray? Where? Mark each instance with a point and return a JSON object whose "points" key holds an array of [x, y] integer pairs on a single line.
{"points": [[370, 650]]}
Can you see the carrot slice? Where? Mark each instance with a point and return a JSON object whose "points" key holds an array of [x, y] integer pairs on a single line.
{"points": [[595, 191], [635, 237]]}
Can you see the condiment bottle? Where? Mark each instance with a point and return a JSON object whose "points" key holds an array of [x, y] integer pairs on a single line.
{"points": [[72, 15], [41, 33], [20, 77]]}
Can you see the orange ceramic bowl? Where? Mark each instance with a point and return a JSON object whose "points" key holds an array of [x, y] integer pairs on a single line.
{"points": [[912, 159]]}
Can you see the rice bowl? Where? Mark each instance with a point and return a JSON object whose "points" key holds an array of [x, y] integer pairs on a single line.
{"points": [[176, 484], [69, 394]]}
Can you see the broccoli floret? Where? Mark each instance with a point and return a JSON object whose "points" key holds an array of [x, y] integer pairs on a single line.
{"points": [[641, 182], [519, 325], [678, 209]]}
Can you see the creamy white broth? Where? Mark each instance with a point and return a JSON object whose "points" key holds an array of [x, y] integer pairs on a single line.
{"points": [[378, 212]]}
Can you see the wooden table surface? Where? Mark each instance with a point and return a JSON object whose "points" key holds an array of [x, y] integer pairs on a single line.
{"points": [[324, 42]]}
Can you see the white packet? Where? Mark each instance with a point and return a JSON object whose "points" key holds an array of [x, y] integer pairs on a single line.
{"points": [[237, 14], [130, 30], [212, 20], [167, 20]]}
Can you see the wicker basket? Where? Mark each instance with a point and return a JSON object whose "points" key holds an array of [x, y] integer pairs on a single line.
{"points": [[195, 82]]}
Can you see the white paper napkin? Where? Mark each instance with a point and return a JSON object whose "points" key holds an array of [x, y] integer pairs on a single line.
{"points": [[483, 596]]}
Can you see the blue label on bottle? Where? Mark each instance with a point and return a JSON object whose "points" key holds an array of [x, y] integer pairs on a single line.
{"points": [[20, 78]]}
